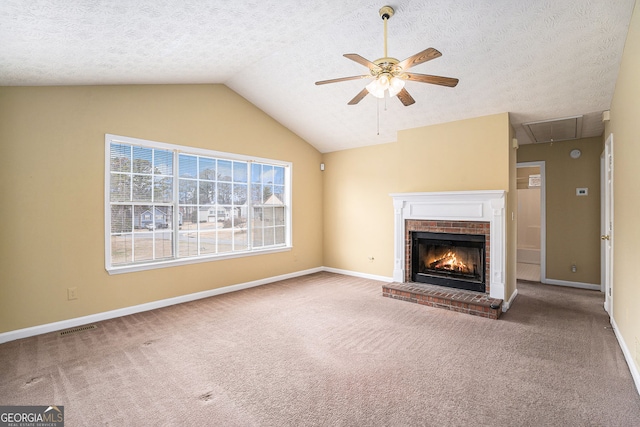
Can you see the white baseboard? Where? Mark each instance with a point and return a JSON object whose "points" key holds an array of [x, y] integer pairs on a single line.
{"points": [[569, 284], [506, 305], [98, 317], [627, 356], [358, 274]]}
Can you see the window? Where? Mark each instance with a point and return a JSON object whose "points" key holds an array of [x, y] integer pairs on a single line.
{"points": [[168, 205]]}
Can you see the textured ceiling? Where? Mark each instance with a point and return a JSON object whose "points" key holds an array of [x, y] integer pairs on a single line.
{"points": [[536, 59]]}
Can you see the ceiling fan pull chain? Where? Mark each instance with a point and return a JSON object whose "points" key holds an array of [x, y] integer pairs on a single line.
{"points": [[378, 117]]}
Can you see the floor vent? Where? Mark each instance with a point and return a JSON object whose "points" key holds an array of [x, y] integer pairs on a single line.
{"points": [[76, 330]]}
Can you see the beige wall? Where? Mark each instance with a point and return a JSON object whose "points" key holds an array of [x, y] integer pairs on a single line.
{"points": [[52, 181], [572, 222], [625, 126], [358, 211]]}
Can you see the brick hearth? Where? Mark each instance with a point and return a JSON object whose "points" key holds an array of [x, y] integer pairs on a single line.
{"points": [[462, 301]]}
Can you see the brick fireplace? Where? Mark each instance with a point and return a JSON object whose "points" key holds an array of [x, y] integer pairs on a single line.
{"points": [[470, 228], [468, 213]]}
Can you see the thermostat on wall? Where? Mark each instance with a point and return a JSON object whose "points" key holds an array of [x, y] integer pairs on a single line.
{"points": [[582, 191]]}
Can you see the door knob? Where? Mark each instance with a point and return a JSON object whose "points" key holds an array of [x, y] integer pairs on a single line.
{"points": [[604, 237]]}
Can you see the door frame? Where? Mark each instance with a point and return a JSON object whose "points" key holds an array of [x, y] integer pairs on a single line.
{"points": [[543, 216], [606, 224]]}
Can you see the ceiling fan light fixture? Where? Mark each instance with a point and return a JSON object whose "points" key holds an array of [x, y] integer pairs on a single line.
{"points": [[396, 84], [376, 89]]}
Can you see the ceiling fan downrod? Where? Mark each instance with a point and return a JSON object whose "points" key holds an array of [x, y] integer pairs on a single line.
{"points": [[386, 12]]}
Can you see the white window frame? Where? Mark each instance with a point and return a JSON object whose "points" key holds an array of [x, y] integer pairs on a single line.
{"points": [[178, 149]]}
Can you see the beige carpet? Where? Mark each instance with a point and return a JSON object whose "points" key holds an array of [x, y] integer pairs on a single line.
{"points": [[329, 350]]}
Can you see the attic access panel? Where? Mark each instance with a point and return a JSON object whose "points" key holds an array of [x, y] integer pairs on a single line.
{"points": [[555, 129]]}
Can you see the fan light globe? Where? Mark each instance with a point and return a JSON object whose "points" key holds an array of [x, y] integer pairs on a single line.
{"points": [[375, 89], [395, 86]]}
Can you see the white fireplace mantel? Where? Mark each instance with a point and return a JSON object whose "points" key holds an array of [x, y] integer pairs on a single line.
{"points": [[454, 206]]}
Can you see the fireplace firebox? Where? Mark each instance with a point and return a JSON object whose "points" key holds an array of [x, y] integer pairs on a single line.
{"points": [[452, 260]]}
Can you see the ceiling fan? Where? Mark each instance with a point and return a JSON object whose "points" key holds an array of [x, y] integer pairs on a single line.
{"points": [[389, 74]]}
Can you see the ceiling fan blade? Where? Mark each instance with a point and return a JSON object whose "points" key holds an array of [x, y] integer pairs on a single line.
{"points": [[405, 98], [342, 79], [360, 60], [436, 80], [419, 58], [358, 97]]}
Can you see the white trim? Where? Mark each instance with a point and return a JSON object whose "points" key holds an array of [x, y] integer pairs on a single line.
{"points": [[569, 284], [98, 317], [627, 356], [506, 305], [358, 274]]}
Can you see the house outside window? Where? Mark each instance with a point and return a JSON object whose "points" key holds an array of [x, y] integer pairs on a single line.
{"points": [[168, 205]]}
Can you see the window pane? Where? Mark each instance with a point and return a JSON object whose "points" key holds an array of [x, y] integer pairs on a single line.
{"points": [[142, 217], [267, 192], [280, 236], [239, 172], [163, 162], [207, 168], [224, 193], [120, 187], [267, 174], [278, 175], [143, 247], [187, 166], [239, 194], [268, 236], [206, 214], [121, 219], [141, 188], [189, 218], [256, 194], [225, 240], [163, 217], [187, 194], [207, 193], [208, 242], [278, 215], [142, 160], [121, 245], [163, 189], [120, 158], [188, 244], [164, 244], [278, 192], [256, 173], [240, 240], [224, 170]]}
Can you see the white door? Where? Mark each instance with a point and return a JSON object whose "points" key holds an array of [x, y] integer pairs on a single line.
{"points": [[607, 225]]}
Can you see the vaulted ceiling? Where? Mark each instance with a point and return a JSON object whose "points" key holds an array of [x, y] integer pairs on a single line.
{"points": [[536, 59]]}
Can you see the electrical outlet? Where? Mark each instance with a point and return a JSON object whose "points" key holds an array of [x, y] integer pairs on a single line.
{"points": [[72, 293]]}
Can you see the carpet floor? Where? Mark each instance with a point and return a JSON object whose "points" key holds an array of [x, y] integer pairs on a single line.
{"points": [[329, 350]]}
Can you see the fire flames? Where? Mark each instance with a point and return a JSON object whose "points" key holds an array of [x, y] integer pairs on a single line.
{"points": [[449, 262]]}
